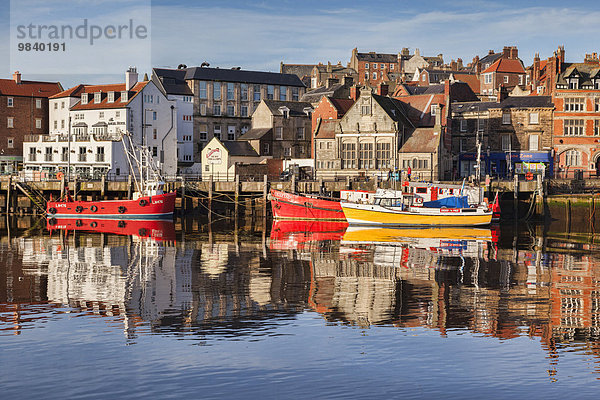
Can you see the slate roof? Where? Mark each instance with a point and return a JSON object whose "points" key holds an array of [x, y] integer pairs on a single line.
{"points": [[296, 107], [418, 108], [326, 129], [255, 133], [315, 95], [240, 149], [490, 58], [526, 102], [470, 79], [473, 106], [422, 140], [235, 75], [586, 73], [377, 57], [300, 70], [172, 81], [8, 87], [394, 109]]}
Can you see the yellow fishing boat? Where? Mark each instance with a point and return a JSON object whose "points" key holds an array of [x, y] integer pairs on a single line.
{"points": [[393, 208]]}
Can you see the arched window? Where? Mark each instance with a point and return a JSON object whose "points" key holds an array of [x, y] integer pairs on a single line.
{"points": [[572, 158]]}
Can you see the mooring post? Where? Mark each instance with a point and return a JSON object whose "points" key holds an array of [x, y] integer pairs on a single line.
{"points": [[210, 194], [376, 181], [568, 216], [265, 192], [62, 186], [348, 182], [516, 197], [237, 197], [103, 187], [129, 184], [182, 196], [8, 190], [293, 189]]}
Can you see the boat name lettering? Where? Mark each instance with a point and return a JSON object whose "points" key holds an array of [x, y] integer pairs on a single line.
{"points": [[449, 210], [60, 205]]}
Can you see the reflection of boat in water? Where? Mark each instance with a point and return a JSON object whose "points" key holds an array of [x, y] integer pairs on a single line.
{"points": [[291, 234], [445, 241], [156, 229]]}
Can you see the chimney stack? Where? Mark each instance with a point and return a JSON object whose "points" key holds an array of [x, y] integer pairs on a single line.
{"points": [[383, 89], [17, 77], [354, 92], [131, 77]]}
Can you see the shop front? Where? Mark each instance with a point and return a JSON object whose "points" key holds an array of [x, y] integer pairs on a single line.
{"points": [[505, 165]]}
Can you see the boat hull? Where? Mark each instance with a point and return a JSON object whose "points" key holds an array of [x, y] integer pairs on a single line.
{"points": [[147, 207], [291, 206], [358, 214]]}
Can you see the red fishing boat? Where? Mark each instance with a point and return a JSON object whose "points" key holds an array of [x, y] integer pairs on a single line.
{"points": [[153, 204], [158, 230], [149, 200], [305, 207]]}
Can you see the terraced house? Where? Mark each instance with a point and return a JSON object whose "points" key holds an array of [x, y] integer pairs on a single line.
{"points": [[224, 100], [576, 138]]}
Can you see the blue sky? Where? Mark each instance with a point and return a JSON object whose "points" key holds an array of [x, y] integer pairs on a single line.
{"points": [[258, 35]]}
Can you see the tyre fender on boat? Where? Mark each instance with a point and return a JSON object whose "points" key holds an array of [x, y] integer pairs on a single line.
{"points": [[122, 209], [79, 222], [143, 232], [94, 208], [143, 202], [78, 209], [52, 210], [121, 224], [94, 224]]}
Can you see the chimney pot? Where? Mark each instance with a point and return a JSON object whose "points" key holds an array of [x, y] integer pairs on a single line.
{"points": [[17, 77]]}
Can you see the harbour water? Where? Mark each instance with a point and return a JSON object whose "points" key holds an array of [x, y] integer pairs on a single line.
{"points": [[299, 311]]}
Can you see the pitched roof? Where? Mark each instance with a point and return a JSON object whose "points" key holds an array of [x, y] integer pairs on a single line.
{"points": [[393, 108], [422, 140], [104, 89], [9, 87], [377, 57], [240, 149], [296, 107], [586, 73], [300, 70], [418, 108], [255, 133], [470, 79], [490, 58], [236, 75], [172, 81], [341, 105], [473, 106], [326, 129], [526, 102], [315, 95], [506, 65]]}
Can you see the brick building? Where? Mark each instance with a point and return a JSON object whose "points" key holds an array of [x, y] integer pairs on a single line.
{"points": [[23, 111], [374, 68], [506, 73], [328, 109], [577, 117]]}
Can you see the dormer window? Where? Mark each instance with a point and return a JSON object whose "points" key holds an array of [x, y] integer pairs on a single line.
{"points": [[574, 83], [97, 97], [84, 98], [124, 96], [285, 112], [111, 97], [308, 111]]}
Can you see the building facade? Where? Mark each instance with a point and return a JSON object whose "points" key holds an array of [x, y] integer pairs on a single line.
{"points": [[281, 129], [374, 68], [225, 99], [577, 118], [23, 112], [88, 121]]}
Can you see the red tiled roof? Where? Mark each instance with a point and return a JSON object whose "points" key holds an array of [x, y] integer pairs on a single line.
{"points": [[469, 79], [9, 87], [505, 65], [419, 108], [326, 129], [341, 105], [117, 88]]}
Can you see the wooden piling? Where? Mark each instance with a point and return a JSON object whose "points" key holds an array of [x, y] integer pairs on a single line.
{"points": [[516, 197], [293, 189], [182, 204], [237, 197], [129, 185], [265, 192], [62, 186], [103, 187], [8, 190], [210, 194]]}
